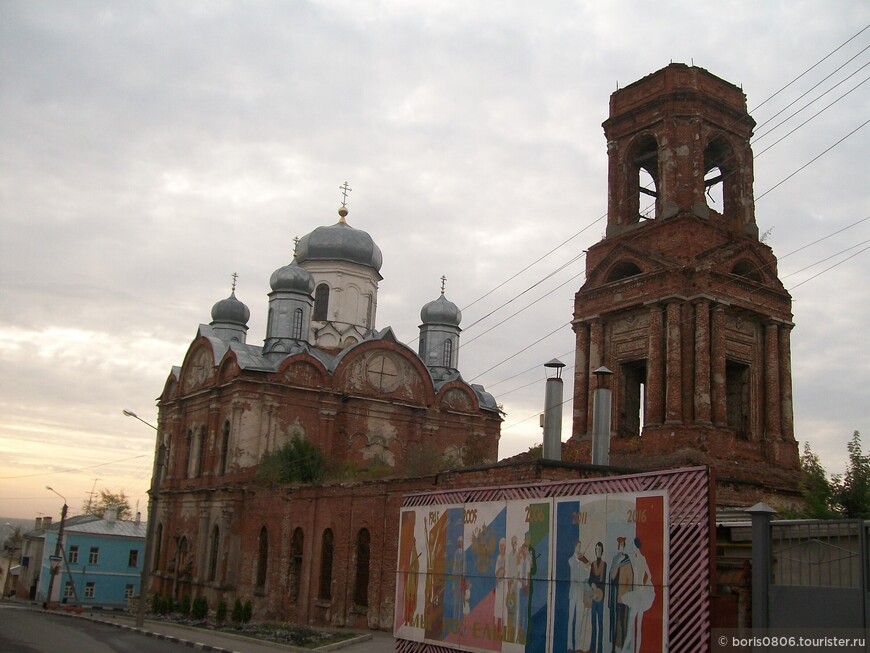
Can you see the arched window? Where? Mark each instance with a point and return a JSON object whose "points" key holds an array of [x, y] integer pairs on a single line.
{"points": [[182, 564], [297, 324], [720, 183], [327, 545], [448, 354], [262, 558], [361, 585], [623, 270], [158, 541], [296, 563], [321, 303], [213, 553], [746, 269], [643, 191]]}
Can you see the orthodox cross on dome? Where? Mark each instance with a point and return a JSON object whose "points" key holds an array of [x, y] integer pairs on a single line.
{"points": [[235, 278], [345, 189], [443, 281], [295, 245]]}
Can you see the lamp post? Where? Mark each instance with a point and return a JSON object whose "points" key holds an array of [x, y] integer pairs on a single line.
{"points": [[57, 548], [149, 525], [130, 413]]}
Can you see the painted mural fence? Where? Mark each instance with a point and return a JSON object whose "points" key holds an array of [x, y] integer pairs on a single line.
{"points": [[569, 566]]}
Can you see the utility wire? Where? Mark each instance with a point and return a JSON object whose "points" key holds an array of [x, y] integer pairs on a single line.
{"points": [[831, 53], [808, 91]]}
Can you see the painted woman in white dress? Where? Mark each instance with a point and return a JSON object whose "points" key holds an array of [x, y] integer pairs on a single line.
{"points": [[638, 600], [500, 585]]}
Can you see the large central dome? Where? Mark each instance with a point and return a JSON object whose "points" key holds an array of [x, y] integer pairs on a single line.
{"points": [[339, 242]]}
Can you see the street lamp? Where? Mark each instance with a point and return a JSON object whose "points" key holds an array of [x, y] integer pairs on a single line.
{"points": [[130, 413], [57, 547], [149, 525]]}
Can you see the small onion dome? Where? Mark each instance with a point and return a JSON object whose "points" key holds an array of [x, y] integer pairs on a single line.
{"points": [[230, 310], [441, 311], [292, 278], [339, 242]]}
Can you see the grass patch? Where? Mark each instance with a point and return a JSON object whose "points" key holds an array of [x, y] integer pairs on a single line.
{"points": [[279, 633]]}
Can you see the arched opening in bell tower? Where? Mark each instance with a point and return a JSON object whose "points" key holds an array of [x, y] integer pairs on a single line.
{"points": [[643, 179], [719, 181]]}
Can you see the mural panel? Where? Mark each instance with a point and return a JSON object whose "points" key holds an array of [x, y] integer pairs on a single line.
{"points": [[568, 574]]}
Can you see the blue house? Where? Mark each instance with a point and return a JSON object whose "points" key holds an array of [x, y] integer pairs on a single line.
{"points": [[103, 562]]}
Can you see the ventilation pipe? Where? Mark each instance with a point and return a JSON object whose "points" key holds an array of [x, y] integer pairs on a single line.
{"points": [[601, 418], [553, 411]]}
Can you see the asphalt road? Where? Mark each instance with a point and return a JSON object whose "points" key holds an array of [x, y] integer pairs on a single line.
{"points": [[23, 630]]}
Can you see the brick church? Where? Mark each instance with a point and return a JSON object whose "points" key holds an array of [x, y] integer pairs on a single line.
{"points": [[681, 302]]}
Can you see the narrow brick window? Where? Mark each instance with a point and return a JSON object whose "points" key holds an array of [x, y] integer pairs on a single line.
{"points": [[326, 550], [632, 377], [262, 558], [182, 564], [737, 398], [213, 554], [200, 453], [361, 585], [296, 563], [158, 541], [225, 448], [188, 453]]}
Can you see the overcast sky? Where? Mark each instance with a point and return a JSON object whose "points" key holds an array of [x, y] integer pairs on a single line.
{"points": [[149, 150]]}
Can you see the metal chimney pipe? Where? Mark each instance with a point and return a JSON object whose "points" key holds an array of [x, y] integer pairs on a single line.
{"points": [[553, 400], [601, 418]]}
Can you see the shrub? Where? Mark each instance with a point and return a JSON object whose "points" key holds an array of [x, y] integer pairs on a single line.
{"points": [[199, 609], [247, 612], [298, 461], [184, 605], [238, 611], [220, 614]]}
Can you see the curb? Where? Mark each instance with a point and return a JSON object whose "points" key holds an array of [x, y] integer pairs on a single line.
{"points": [[199, 646]]}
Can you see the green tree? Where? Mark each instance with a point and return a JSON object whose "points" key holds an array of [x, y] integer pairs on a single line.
{"points": [[852, 491], [108, 499], [817, 490]]}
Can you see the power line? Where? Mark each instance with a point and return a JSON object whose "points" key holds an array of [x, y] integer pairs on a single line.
{"points": [[807, 92], [813, 160], [831, 53]]}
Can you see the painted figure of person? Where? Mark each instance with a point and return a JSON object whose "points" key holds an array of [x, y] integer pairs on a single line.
{"points": [[512, 594], [621, 580], [523, 567], [578, 613], [639, 599], [457, 570], [597, 586], [500, 585]]}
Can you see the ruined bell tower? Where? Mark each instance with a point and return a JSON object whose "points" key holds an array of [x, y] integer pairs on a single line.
{"points": [[682, 301]]}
